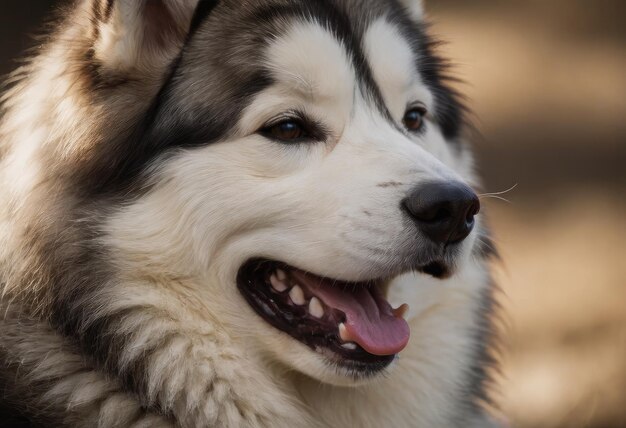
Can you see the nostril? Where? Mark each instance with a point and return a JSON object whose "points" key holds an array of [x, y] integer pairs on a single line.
{"points": [[474, 207], [472, 210], [434, 213]]}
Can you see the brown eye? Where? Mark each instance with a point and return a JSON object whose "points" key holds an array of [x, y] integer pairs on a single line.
{"points": [[287, 130], [414, 119]]}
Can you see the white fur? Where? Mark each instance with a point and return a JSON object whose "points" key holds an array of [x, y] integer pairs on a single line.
{"points": [[213, 208], [322, 207], [393, 64]]}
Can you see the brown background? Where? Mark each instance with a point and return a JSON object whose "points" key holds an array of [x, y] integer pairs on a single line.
{"points": [[546, 80]]}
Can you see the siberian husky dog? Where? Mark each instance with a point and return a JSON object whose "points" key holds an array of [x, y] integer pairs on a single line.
{"points": [[240, 213]]}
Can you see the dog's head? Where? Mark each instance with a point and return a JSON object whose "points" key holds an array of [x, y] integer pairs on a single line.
{"points": [[294, 156]]}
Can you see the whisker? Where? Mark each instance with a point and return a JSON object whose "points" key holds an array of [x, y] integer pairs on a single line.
{"points": [[500, 193], [496, 195]]}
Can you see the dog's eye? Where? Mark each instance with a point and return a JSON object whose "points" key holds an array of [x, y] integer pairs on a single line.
{"points": [[287, 130], [414, 119]]}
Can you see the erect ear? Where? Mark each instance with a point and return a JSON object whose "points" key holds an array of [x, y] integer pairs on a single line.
{"points": [[415, 8], [139, 34]]}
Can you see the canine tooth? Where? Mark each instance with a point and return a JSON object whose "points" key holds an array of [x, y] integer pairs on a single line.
{"points": [[401, 311], [277, 284], [297, 295], [281, 275], [315, 308], [351, 346], [343, 332]]}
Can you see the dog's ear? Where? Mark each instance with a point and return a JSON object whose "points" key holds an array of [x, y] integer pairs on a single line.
{"points": [[415, 8], [139, 34]]}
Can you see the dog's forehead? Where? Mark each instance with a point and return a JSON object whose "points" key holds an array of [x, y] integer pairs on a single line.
{"points": [[310, 61], [312, 45]]}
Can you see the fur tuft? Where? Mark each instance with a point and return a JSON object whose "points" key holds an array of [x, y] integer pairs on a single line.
{"points": [[135, 36], [415, 8]]}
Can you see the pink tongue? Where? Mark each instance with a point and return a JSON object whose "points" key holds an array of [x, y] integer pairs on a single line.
{"points": [[370, 320]]}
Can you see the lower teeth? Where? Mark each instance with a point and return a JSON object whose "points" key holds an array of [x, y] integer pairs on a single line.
{"points": [[350, 346]]}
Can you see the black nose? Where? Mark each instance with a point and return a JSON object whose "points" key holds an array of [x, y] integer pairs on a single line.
{"points": [[444, 211]]}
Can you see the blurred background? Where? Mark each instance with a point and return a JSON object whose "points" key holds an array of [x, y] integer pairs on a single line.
{"points": [[546, 80]]}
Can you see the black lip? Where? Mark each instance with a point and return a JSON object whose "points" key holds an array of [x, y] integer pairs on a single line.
{"points": [[437, 269], [438, 261], [319, 335]]}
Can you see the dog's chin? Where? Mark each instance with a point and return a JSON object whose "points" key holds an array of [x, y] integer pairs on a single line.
{"points": [[299, 358]]}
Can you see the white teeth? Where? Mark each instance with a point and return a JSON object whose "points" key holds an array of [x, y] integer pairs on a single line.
{"points": [[278, 284], [351, 346], [281, 275], [343, 332], [297, 296], [315, 308]]}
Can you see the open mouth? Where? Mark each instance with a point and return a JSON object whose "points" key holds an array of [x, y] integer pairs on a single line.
{"points": [[352, 324]]}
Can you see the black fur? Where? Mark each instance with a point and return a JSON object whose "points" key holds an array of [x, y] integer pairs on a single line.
{"points": [[203, 10], [11, 418], [450, 111], [474, 395]]}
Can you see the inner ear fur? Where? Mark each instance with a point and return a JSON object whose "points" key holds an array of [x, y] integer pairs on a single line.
{"points": [[134, 35]]}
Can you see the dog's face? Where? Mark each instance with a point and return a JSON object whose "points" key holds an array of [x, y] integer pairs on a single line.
{"points": [[334, 166]]}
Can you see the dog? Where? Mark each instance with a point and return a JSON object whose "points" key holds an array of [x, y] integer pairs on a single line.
{"points": [[241, 213]]}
